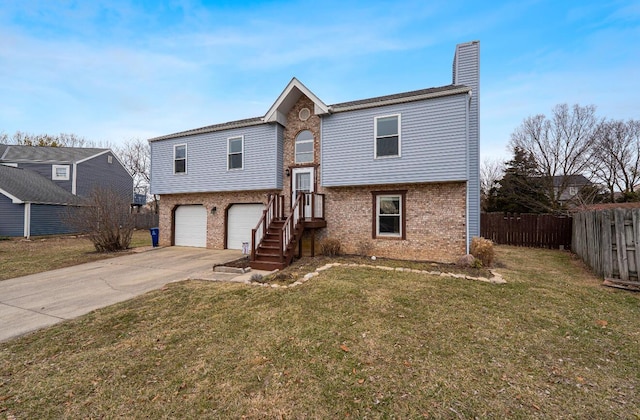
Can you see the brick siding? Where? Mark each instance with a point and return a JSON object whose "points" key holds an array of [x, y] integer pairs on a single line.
{"points": [[216, 223], [435, 221]]}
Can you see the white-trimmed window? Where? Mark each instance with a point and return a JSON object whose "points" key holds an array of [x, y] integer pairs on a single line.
{"points": [[304, 147], [235, 153], [387, 136], [389, 211], [180, 159], [60, 172]]}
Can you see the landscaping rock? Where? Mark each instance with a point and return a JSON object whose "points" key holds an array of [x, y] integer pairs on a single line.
{"points": [[466, 261]]}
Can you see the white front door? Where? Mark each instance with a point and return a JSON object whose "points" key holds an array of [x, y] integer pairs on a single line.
{"points": [[303, 181]]}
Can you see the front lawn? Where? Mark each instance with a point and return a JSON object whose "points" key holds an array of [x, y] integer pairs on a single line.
{"points": [[20, 257], [351, 342]]}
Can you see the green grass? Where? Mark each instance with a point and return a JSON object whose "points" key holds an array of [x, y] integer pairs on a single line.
{"points": [[20, 257], [349, 343]]}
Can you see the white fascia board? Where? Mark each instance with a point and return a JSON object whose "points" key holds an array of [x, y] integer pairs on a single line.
{"points": [[13, 198], [93, 156], [402, 100], [270, 116]]}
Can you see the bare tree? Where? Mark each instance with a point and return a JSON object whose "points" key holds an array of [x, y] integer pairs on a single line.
{"points": [[136, 157], [561, 145], [491, 171], [105, 217], [58, 140], [616, 162]]}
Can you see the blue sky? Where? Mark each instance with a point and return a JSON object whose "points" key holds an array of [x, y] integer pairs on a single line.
{"points": [[115, 70]]}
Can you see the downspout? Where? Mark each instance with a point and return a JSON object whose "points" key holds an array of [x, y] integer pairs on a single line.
{"points": [[74, 179], [27, 220]]}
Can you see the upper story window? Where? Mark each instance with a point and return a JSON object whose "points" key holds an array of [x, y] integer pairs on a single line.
{"points": [[304, 147], [387, 136], [180, 159], [60, 172], [235, 151]]}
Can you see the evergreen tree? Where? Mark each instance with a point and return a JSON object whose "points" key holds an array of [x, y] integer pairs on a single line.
{"points": [[521, 189]]}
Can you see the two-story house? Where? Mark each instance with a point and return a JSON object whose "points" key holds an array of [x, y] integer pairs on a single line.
{"points": [[397, 175], [38, 185]]}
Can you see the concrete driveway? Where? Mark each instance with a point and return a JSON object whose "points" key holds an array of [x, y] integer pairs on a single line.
{"points": [[39, 300]]}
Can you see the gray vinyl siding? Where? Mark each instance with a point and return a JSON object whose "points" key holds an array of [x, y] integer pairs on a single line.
{"points": [[279, 156], [49, 219], [433, 144], [11, 218], [466, 72], [98, 172], [45, 169], [207, 162]]}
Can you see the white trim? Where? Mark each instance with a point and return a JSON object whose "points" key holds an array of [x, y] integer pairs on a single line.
{"points": [[27, 220], [319, 106], [402, 100], [74, 179], [175, 146], [11, 165], [13, 198], [56, 177], [229, 152], [375, 137], [311, 170], [389, 235], [93, 156]]}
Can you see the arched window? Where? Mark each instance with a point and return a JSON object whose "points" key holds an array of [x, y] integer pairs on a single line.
{"points": [[304, 147]]}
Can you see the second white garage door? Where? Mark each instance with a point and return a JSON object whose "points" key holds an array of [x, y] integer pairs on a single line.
{"points": [[241, 219], [191, 226]]}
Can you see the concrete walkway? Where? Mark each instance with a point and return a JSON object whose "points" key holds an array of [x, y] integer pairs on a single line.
{"points": [[39, 300]]}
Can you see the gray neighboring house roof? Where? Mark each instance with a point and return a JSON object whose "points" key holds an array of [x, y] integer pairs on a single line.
{"points": [[29, 187], [578, 180], [16, 153], [414, 95]]}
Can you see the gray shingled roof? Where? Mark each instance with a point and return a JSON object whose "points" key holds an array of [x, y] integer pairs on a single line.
{"points": [[211, 128], [417, 94], [14, 153], [340, 107], [31, 187]]}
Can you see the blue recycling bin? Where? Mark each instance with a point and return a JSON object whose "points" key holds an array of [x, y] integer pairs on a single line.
{"points": [[155, 233]]}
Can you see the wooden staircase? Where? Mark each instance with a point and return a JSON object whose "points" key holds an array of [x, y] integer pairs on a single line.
{"points": [[275, 238]]}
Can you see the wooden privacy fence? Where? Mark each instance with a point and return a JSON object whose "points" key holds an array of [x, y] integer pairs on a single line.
{"points": [[532, 230], [145, 220], [606, 240]]}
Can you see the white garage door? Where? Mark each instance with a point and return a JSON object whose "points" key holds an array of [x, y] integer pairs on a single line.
{"points": [[241, 219], [191, 226]]}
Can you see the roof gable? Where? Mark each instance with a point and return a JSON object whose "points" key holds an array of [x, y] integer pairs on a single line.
{"points": [[289, 96]]}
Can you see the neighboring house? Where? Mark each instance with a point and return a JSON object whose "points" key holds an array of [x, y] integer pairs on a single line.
{"points": [[567, 188], [37, 184], [393, 176]]}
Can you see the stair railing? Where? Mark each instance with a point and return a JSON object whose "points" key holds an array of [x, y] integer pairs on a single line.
{"points": [[274, 209], [288, 229]]}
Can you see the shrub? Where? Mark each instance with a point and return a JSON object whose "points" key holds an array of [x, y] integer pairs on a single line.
{"points": [[364, 248], [330, 247], [482, 249], [105, 217], [258, 278]]}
